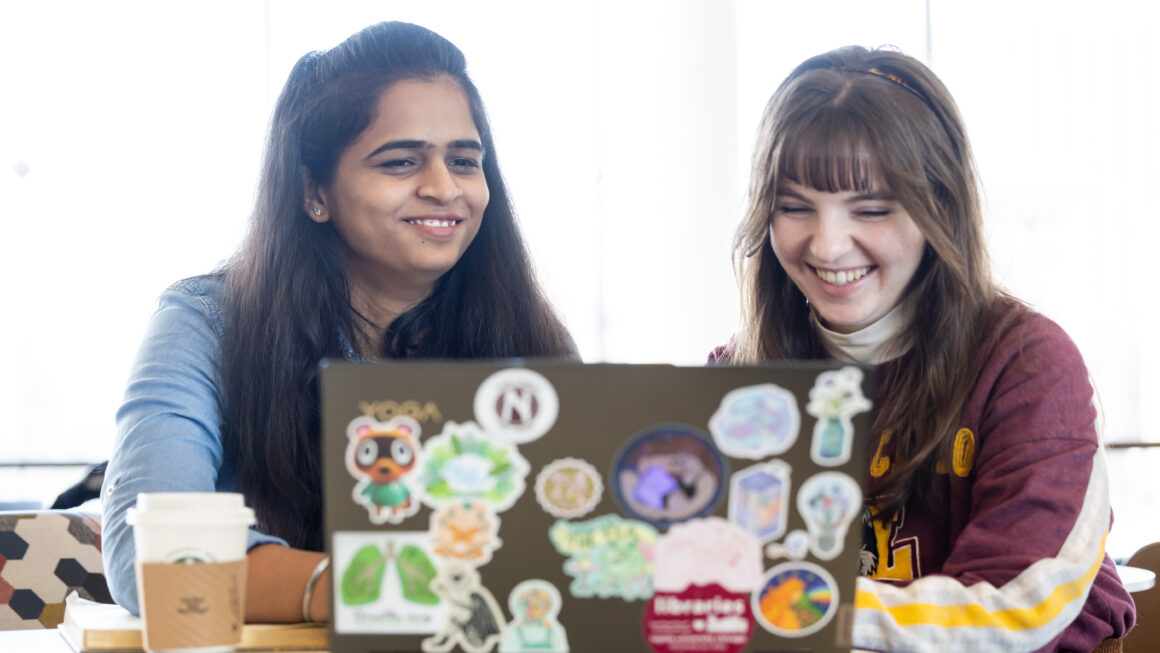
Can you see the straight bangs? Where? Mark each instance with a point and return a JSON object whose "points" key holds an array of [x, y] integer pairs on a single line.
{"points": [[829, 154]]}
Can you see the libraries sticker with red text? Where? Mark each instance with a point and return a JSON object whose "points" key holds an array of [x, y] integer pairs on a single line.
{"points": [[702, 618]]}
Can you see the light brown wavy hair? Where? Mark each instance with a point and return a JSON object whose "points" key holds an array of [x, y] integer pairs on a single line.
{"points": [[844, 121]]}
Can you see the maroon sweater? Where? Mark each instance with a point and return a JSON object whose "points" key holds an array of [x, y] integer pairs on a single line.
{"points": [[1012, 556]]}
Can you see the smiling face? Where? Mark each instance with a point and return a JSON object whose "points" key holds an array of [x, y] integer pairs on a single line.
{"points": [[408, 194], [851, 253]]}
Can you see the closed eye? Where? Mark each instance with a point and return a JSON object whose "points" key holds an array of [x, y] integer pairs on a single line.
{"points": [[464, 163], [398, 164]]}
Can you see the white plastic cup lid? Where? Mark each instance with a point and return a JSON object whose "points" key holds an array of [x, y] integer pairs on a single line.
{"points": [[190, 508]]}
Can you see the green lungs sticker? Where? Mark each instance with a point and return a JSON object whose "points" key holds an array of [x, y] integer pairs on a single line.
{"points": [[362, 580]]}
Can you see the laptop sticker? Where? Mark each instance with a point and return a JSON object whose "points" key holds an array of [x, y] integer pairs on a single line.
{"points": [[834, 399], [796, 599], [463, 463], [667, 474], [516, 405], [382, 583], [389, 409], [705, 619], [705, 551], [759, 499], [756, 422], [795, 546], [474, 620], [828, 502], [535, 606], [608, 556], [381, 456], [568, 488], [465, 530]]}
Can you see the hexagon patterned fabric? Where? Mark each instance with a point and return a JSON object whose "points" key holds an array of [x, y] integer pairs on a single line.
{"points": [[44, 556]]}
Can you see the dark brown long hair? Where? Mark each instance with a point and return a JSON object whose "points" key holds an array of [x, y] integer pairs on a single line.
{"points": [[287, 297], [840, 121]]}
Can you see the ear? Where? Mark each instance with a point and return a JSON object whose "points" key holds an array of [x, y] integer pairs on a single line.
{"points": [[314, 201]]}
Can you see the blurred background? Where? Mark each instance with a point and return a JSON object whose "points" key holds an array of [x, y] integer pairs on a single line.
{"points": [[131, 137]]}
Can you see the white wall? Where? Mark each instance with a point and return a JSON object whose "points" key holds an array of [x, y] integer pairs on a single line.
{"points": [[130, 138]]}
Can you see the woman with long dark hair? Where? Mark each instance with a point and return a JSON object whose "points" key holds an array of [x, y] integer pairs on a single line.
{"points": [[987, 505], [382, 229]]}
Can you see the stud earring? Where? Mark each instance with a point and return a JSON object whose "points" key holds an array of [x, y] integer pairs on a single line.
{"points": [[317, 212]]}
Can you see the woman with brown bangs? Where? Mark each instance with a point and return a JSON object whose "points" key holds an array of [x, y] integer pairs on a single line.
{"points": [[987, 505]]}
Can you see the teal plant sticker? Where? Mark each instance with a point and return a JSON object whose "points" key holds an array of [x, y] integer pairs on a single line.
{"points": [[834, 399], [463, 463], [608, 556]]}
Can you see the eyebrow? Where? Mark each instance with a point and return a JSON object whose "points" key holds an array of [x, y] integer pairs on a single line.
{"points": [[464, 144]]}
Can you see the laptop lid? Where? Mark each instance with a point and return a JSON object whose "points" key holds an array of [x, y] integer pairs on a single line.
{"points": [[545, 506]]}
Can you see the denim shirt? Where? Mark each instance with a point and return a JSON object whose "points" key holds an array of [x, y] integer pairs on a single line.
{"points": [[169, 426]]}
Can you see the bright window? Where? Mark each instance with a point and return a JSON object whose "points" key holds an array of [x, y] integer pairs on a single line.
{"points": [[131, 135]]}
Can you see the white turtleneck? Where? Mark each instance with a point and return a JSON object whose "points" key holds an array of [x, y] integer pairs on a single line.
{"points": [[870, 345]]}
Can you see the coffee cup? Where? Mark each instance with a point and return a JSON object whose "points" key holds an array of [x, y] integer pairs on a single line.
{"points": [[191, 569]]}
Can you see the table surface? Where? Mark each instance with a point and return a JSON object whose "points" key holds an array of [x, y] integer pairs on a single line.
{"points": [[49, 641], [1136, 579]]}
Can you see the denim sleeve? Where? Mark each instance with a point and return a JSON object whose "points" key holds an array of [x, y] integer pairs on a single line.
{"points": [[168, 428]]}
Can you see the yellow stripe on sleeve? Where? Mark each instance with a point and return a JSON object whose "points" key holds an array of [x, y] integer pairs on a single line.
{"points": [[975, 615]]}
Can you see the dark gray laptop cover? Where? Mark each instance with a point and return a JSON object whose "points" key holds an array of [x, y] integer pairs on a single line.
{"points": [[547, 506]]}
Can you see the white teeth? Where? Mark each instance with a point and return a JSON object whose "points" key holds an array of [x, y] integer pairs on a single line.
{"points": [[842, 277], [434, 223]]}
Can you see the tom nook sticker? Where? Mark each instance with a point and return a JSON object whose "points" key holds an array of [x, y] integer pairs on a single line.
{"points": [[795, 599], [535, 605], [669, 473], [568, 488], [382, 455], [707, 619], [834, 399], [756, 422], [516, 405], [608, 556], [463, 463], [382, 583]]}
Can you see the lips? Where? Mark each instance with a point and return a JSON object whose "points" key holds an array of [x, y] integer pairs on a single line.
{"points": [[439, 227], [434, 222]]}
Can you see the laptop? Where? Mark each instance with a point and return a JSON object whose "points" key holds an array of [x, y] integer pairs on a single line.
{"points": [[551, 506]]}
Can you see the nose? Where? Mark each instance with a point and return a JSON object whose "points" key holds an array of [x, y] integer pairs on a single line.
{"points": [[831, 237], [438, 184]]}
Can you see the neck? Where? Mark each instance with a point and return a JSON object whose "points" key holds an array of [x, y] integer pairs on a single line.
{"points": [[380, 300], [873, 344]]}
